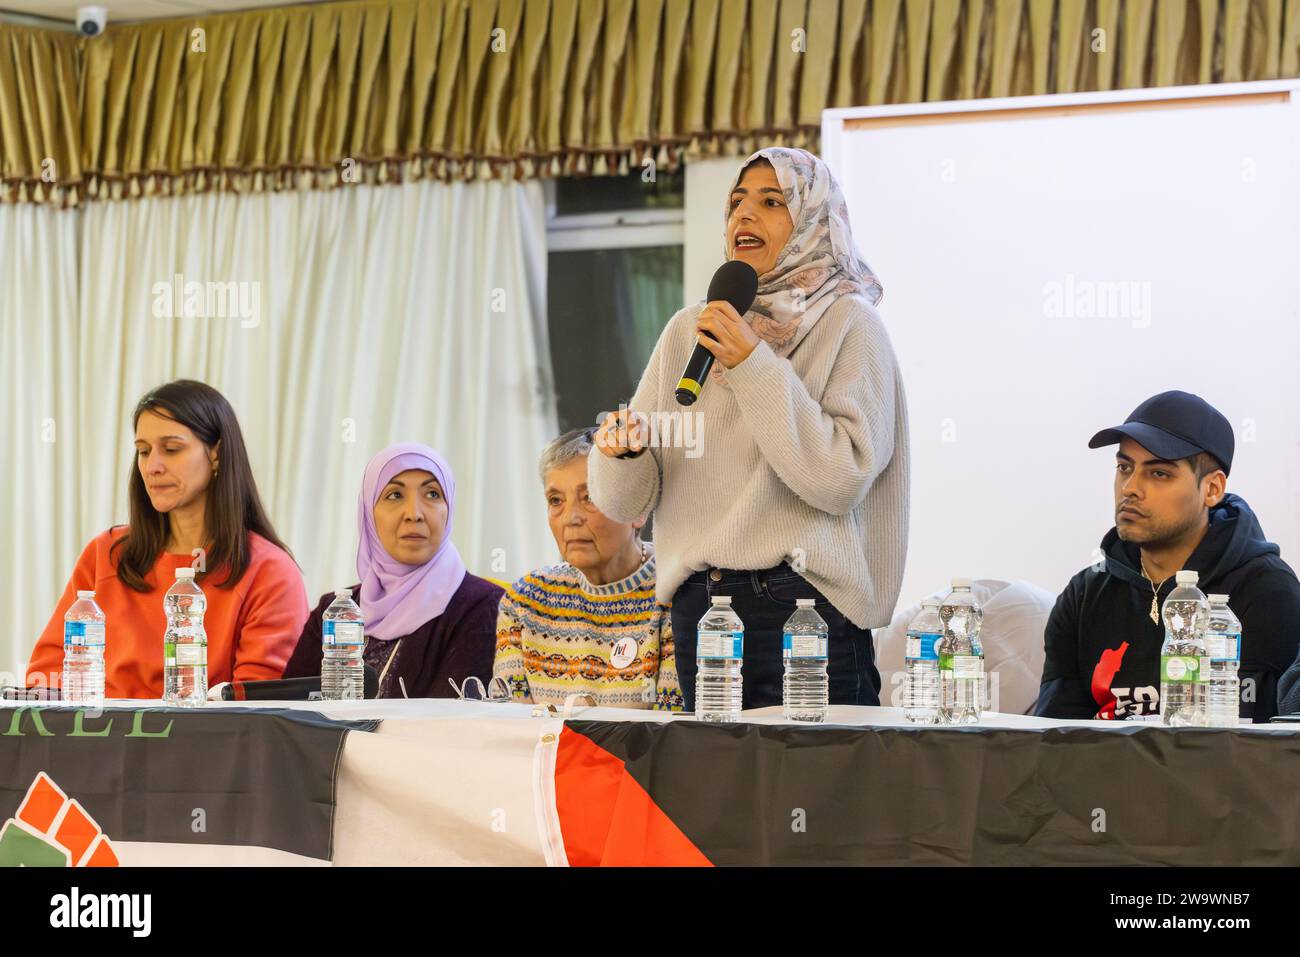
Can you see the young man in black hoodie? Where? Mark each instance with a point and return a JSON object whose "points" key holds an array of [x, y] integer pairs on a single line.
{"points": [[1103, 637]]}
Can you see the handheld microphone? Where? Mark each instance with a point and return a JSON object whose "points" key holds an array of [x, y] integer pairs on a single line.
{"points": [[734, 282], [290, 689]]}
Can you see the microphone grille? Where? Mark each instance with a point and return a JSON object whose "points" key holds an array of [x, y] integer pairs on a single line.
{"points": [[734, 282]]}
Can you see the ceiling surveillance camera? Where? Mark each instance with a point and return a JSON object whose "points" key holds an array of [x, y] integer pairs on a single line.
{"points": [[91, 20]]}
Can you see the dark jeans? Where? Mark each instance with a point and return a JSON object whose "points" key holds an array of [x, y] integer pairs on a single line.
{"points": [[764, 600]]}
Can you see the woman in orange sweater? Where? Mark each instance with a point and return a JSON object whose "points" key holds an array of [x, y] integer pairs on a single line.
{"points": [[193, 503]]}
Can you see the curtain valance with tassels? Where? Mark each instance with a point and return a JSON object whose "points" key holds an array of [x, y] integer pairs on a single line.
{"points": [[379, 90]]}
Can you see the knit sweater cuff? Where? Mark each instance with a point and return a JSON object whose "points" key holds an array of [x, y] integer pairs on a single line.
{"points": [[623, 489], [753, 378]]}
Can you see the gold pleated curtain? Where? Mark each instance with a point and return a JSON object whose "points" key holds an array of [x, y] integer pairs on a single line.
{"points": [[380, 90]]}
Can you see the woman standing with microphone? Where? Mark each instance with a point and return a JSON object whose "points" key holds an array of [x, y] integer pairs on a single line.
{"points": [[799, 488]]}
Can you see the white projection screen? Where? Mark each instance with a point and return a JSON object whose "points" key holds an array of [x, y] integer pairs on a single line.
{"points": [[1049, 262]]}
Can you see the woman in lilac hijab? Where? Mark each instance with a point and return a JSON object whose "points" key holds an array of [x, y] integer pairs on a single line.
{"points": [[427, 618]]}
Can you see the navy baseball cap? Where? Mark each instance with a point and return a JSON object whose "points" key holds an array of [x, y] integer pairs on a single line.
{"points": [[1175, 425]]}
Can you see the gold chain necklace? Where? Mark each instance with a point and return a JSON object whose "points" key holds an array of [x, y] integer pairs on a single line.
{"points": [[1155, 592]]}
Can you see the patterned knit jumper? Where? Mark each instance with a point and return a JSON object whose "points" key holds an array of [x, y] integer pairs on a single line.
{"points": [[558, 634]]}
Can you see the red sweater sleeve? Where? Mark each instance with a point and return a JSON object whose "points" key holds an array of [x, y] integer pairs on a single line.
{"points": [[274, 610], [305, 662], [46, 665]]}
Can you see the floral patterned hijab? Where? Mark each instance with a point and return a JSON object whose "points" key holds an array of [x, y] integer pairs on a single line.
{"points": [[819, 262]]}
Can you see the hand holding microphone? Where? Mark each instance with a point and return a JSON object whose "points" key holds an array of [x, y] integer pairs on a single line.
{"points": [[723, 333]]}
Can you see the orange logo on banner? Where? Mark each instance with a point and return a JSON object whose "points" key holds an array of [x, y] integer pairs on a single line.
{"points": [[53, 830]]}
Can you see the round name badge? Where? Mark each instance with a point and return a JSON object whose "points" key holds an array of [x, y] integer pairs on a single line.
{"points": [[623, 653]]}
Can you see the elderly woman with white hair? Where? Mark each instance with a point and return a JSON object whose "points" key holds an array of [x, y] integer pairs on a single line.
{"points": [[590, 624]]}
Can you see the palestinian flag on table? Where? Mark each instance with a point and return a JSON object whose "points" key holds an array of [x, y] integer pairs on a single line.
{"points": [[163, 786], [687, 793]]}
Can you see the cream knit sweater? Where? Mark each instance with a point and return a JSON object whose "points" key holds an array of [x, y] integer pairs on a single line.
{"points": [[802, 459]]}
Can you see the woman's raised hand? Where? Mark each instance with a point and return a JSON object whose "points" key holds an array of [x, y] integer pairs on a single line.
{"points": [[733, 339], [623, 434]]}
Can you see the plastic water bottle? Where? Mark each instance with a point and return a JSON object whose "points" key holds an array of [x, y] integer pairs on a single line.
{"points": [[719, 652], [185, 645], [805, 690], [1223, 646], [1184, 665], [343, 641], [961, 656], [921, 665], [83, 653]]}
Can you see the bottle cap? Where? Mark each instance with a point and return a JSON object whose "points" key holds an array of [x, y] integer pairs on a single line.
{"points": [[961, 583], [722, 599], [343, 593], [1188, 577], [1218, 599], [86, 594], [184, 573], [806, 602]]}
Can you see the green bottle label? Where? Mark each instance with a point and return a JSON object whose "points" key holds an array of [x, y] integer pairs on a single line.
{"points": [[960, 667], [1184, 669]]}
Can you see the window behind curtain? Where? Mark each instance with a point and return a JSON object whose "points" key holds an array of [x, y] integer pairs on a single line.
{"points": [[614, 279]]}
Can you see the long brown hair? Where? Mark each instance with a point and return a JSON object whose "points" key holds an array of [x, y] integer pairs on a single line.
{"points": [[233, 507]]}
